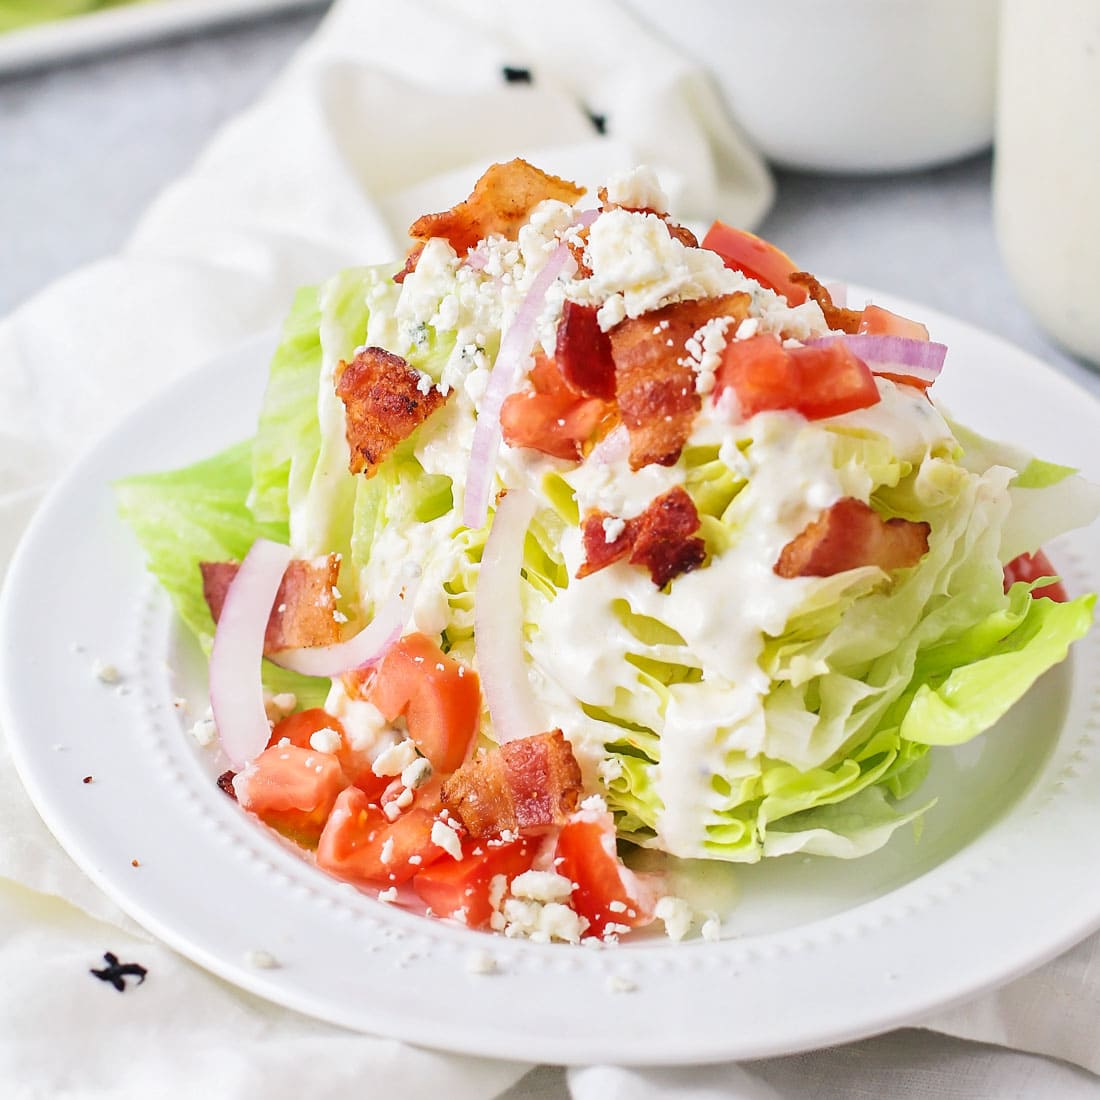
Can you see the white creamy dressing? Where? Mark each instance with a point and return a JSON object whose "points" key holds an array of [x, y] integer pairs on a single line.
{"points": [[904, 416], [723, 611]]}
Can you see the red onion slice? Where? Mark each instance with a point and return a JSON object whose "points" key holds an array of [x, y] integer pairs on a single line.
{"points": [[498, 621], [236, 690], [515, 349], [387, 625], [614, 447], [921, 359]]}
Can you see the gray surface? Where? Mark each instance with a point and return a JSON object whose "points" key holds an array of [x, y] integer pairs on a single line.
{"points": [[928, 236], [84, 148]]}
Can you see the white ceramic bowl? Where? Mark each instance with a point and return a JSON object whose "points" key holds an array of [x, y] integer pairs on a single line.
{"points": [[846, 85]]}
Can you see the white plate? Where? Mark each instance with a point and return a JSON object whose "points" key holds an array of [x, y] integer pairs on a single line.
{"points": [[114, 27], [1003, 877]]}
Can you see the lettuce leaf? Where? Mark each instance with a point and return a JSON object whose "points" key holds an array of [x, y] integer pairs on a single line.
{"points": [[25, 13], [870, 670], [199, 513], [288, 437]]}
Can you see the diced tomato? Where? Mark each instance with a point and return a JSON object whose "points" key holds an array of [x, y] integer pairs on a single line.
{"points": [[293, 790], [460, 888], [439, 697], [1030, 567], [360, 844], [877, 321], [757, 258], [547, 378], [300, 727], [605, 891], [815, 381], [427, 795], [556, 419], [553, 425]]}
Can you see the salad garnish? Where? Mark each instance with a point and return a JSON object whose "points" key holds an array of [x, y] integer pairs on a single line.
{"points": [[570, 550]]}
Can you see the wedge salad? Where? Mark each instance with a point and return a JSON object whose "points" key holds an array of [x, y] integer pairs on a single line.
{"points": [[575, 537]]}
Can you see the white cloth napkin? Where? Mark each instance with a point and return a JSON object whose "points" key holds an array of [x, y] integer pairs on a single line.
{"points": [[389, 111]]}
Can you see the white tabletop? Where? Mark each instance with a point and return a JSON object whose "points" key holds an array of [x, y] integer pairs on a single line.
{"points": [[86, 146]]}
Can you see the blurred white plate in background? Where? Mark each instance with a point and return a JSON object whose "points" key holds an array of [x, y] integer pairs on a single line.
{"points": [[46, 43]]}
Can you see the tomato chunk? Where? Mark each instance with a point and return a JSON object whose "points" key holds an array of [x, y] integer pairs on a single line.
{"points": [[759, 259], [360, 844], [556, 419], [460, 888], [605, 891], [557, 426], [292, 789], [1030, 567], [299, 728], [814, 381], [439, 697], [877, 321]]}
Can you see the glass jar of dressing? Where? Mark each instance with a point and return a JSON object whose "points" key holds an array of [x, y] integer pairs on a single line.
{"points": [[1046, 185]]}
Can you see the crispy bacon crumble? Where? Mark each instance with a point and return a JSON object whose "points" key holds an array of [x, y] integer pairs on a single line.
{"points": [[304, 612], [662, 539], [500, 203], [654, 383], [525, 785], [836, 317], [850, 534], [385, 401]]}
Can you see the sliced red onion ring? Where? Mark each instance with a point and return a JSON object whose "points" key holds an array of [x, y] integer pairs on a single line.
{"points": [[371, 643], [921, 359], [515, 349], [498, 621], [236, 690]]}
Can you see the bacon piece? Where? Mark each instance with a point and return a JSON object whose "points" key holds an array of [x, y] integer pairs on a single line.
{"points": [[577, 242], [305, 607], [666, 543], [411, 260], [662, 539], [846, 320], [526, 785], [384, 404], [851, 534], [599, 550], [656, 391], [501, 202], [583, 352], [680, 232]]}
